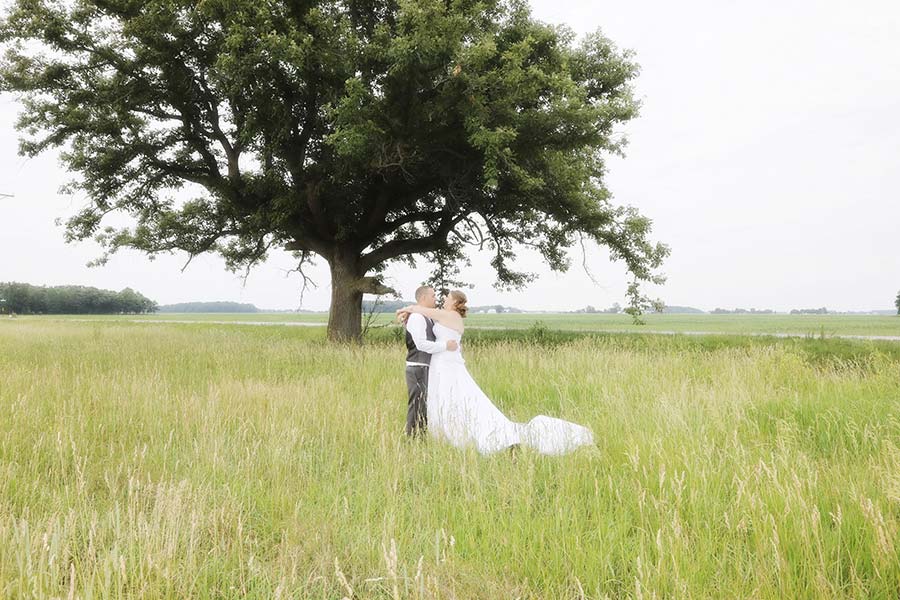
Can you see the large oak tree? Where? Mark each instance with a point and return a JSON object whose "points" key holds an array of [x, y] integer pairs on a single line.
{"points": [[362, 131]]}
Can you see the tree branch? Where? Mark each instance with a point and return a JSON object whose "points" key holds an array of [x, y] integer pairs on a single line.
{"points": [[232, 152], [420, 215], [400, 247]]}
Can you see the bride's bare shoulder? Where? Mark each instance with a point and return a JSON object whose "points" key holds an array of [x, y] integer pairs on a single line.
{"points": [[453, 320]]}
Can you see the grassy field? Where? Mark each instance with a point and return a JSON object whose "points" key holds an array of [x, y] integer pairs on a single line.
{"points": [[813, 325], [210, 461]]}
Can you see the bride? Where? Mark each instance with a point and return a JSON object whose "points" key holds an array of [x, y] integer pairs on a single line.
{"points": [[460, 413]]}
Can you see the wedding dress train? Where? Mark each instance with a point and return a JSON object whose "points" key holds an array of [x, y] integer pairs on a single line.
{"points": [[460, 413]]}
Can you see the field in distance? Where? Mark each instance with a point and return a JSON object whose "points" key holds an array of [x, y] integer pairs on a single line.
{"points": [[811, 325]]}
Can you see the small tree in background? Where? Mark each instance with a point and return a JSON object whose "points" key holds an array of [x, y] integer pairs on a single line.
{"points": [[897, 303]]}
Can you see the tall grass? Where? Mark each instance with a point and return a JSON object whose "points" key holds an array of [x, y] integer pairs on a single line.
{"points": [[172, 461]]}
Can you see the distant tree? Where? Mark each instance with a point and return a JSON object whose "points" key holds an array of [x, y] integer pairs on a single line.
{"points": [[897, 303], [130, 301], [615, 309], [18, 296], [673, 309], [366, 133], [744, 311], [493, 308]]}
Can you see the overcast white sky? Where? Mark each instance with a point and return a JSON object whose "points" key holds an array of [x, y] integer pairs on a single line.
{"points": [[767, 154]]}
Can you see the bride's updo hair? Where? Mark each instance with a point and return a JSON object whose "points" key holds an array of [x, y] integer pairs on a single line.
{"points": [[461, 300]]}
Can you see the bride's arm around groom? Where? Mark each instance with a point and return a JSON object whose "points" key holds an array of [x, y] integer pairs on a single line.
{"points": [[418, 330]]}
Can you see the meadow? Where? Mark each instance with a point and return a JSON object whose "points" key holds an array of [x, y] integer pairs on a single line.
{"points": [[804, 325], [200, 460]]}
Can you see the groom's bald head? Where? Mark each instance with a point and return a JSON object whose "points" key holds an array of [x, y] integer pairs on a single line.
{"points": [[425, 296]]}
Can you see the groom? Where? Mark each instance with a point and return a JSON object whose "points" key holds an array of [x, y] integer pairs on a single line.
{"points": [[420, 345]]}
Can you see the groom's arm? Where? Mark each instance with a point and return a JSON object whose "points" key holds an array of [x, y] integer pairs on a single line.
{"points": [[415, 325]]}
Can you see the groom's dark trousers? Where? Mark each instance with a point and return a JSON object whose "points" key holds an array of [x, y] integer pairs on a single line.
{"points": [[417, 362], [416, 408]]}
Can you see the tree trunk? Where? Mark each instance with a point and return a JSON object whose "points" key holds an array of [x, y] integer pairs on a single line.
{"points": [[345, 314]]}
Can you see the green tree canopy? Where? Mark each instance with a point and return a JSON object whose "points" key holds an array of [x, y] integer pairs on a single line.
{"points": [[364, 132], [23, 298]]}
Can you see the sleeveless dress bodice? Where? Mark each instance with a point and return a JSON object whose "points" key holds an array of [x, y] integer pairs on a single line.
{"points": [[443, 334]]}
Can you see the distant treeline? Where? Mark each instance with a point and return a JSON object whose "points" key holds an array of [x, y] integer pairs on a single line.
{"points": [[383, 306], [25, 299], [616, 308], [743, 311], [591, 310], [681, 310], [495, 308], [208, 307], [809, 311]]}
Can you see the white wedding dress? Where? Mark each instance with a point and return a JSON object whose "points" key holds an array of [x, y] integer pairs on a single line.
{"points": [[461, 414]]}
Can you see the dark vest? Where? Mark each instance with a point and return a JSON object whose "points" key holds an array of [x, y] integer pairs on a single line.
{"points": [[414, 354]]}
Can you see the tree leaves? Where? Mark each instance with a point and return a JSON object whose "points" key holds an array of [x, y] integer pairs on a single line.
{"points": [[369, 131]]}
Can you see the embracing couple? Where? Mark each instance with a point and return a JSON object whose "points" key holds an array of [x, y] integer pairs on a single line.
{"points": [[446, 401]]}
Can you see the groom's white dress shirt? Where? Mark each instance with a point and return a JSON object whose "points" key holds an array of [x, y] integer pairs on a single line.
{"points": [[415, 325]]}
